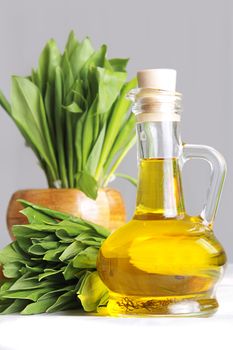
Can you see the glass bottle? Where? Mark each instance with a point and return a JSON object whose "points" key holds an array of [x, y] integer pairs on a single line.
{"points": [[163, 261]]}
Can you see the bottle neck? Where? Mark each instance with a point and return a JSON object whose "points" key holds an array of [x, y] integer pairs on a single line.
{"points": [[159, 192]]}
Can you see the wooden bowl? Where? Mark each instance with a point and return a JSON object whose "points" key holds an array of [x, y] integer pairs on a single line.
{"points": [[107, 210]]}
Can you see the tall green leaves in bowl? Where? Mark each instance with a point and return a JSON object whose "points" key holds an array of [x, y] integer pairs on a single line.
{"points": [[73, 113]]}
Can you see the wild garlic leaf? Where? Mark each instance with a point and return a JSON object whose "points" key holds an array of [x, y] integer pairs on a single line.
{"points": [[95, 152], [35, 217], [56, 291], [39, 306], [41, 248], [66, 300], [4, 304], [109, 85], [54, 254], [119, 64], [28, 111], [92, 291], [97, 59], [48, 273], [68, 77], [89, 239], [88, 131], [27, 294], [87, 184], [9, 255], [48, 61], [25, 283], [71, 272], [12, 269], [71, 44], [79, 56], [59, 125], [73, 108], [15, 306], [49, 109], [86, 258], [119, 111], [71, 227], [52, 213], [5, 103], [72, 250]]}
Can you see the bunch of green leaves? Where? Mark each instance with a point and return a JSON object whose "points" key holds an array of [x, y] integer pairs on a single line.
{"points": [[51, 265], [73, 113]]}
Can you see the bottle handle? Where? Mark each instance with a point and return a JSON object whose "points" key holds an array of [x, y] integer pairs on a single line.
{"points": [[218, 172]]}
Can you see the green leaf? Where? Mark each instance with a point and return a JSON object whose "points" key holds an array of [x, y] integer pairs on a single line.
{"points": [[70, 272], [26, 231], [119, 64], [86, 258], [59, 126], [29, 113], [41, 248], [73, 227], [50, 108], [4, 103], [78, 142], [57, 291], [35, 217], [52, 213], [65, 301], [132, 180], [49, 59], [120, 109], [92, 292], [72, 250], [30, 283], [12, 269], [73, 108], [48, 273], [71, 44], [92, 240], [87, 184], [68, 223], [39, 306], [9, 255], [15, 306], [32, 295], [97, 59], [54, 254], [4, 304], [88, 130], [109, 85], [67, 74], [80, 55], [95, 153]]}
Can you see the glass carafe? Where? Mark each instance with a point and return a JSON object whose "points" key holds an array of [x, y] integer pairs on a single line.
{"points": [[163, 261]]}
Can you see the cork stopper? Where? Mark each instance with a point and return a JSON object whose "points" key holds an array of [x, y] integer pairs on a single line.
{"points": [[160, 79]]}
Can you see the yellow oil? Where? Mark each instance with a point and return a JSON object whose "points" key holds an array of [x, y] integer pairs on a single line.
{"points": [[162, 262]]}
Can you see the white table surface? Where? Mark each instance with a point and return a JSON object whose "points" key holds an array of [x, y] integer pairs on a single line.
{"points": [[73, 331]]}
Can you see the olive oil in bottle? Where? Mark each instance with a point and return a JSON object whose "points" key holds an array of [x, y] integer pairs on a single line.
{"points": [[163, 261]]}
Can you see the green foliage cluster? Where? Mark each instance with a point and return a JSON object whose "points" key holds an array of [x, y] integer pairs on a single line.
{"points": [[51, 265], [73, 113]]}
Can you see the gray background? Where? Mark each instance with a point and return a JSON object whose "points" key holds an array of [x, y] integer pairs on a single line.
{"points": [[194, 37]]}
